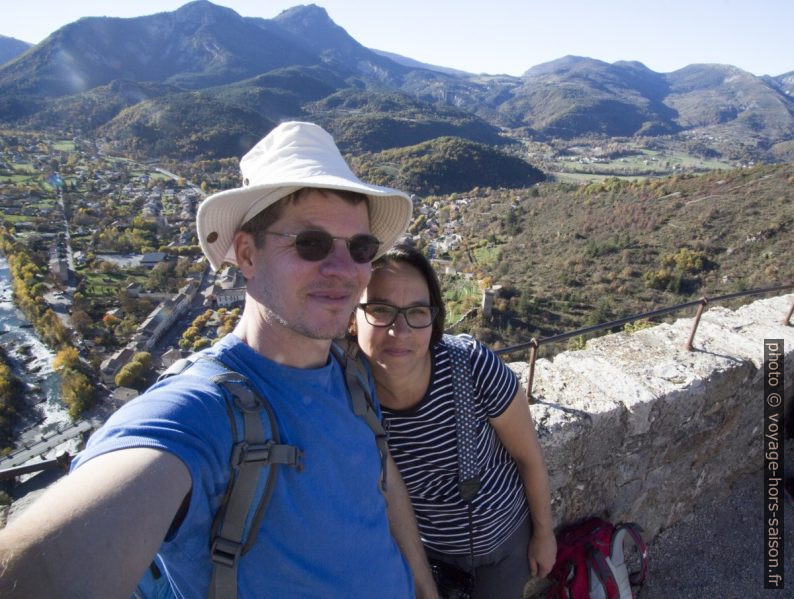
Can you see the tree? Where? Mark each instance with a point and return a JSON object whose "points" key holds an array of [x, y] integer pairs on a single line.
{"points": [[77, 392], [82, 322], [68, 357], [144, 358], [110, 321], [128, 374], [201, 343]]}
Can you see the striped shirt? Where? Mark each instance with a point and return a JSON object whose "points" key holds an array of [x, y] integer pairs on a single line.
{"points": [[423, 443]]}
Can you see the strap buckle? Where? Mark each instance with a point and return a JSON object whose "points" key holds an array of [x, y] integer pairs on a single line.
{"points": [[266, 453], [225, 552]]}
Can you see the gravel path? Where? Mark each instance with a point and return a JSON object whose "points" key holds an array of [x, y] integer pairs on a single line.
{"points": [[718, 550]]}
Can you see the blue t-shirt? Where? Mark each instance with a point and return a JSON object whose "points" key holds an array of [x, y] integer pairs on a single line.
{"points": [[325, 532]]}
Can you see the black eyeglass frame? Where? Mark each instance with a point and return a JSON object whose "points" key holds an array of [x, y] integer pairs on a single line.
{"points": [[397, 311], [370, 242]]}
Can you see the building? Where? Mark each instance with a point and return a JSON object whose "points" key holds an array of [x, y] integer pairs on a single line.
{"points": [[152, 259], [163, 316], [109, 367], [229, 297]]}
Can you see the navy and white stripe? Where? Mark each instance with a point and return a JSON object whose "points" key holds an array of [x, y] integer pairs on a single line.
{"points": [[423, 443]]}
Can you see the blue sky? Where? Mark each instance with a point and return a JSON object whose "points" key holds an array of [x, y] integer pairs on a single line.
{"points": [[504, 36]]}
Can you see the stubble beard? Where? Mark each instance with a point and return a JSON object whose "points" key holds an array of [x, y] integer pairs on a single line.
{"points": [[303, 329], [300, 325]]}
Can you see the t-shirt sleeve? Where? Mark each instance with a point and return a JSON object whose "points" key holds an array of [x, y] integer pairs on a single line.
{"points": [[183, 415], [495, 383]]}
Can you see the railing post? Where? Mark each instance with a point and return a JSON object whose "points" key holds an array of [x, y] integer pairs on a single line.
{"points": [[533, 354], [703, 302], [787, 320]]}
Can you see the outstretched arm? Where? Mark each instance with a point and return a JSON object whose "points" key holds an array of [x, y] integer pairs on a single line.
{"points": [[517, 433], [93, 534], [402, 523]]}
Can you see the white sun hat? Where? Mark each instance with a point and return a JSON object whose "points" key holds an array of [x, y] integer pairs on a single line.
{"points": [[292, 156]]}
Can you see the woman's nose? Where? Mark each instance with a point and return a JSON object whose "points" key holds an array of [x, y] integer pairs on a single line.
{"points": [[400, 323]]}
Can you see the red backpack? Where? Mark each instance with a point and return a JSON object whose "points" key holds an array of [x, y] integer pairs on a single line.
{"points": [[591, 561]]}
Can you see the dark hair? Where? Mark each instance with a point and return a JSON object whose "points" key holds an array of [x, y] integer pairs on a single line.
{"points": [[259, 223], [407, 254]]}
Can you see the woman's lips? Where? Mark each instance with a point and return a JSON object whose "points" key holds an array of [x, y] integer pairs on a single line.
{"points": [[396, 352]]}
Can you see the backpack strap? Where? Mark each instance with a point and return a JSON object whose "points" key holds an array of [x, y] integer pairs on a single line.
{"points": [[469, 482], [616, 551], [602, 583], [236, 524], [465, 418], [348, 356]]}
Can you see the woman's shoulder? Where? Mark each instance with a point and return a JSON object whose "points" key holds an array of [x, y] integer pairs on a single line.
{"points": [[466, 343]]}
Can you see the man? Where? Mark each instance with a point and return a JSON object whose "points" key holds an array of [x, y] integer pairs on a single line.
{"points": [[303, 231]]}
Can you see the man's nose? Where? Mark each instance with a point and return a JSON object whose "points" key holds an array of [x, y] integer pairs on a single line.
{"points": [[339, 259]]}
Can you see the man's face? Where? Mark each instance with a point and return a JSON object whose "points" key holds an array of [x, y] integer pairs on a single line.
{"points": [[311, 299]]}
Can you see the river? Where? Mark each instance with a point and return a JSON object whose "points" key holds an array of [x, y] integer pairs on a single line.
{"points": [[32, 363]]}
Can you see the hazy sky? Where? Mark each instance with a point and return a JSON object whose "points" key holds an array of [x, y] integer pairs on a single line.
{"points": [[504, 36]]}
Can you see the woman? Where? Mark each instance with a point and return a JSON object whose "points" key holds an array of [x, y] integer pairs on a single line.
{"points": [[399, 326]]}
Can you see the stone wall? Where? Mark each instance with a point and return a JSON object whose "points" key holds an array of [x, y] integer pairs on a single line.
{"points": [[636, 428]]}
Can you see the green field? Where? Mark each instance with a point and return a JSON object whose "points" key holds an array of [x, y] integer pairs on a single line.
{"points": [[63, 146], [108, 284], [587, 178], [642, 164]]}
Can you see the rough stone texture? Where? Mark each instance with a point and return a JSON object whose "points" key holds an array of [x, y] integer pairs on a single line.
{"points": [[636, 428]]}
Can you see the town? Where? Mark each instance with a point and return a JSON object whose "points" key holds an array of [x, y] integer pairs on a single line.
{"points": [[106, 266]]}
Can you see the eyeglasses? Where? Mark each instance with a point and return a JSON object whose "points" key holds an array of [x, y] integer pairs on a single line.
{"points": [[315, 245], [384, 315]]}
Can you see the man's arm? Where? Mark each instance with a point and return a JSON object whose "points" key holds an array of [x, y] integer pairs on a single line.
{"points": [[93, 534], [517, 433], [402, 524]]}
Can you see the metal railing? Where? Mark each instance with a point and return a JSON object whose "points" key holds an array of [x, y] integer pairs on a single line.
{"points": [[535, 343], [60, 462]]}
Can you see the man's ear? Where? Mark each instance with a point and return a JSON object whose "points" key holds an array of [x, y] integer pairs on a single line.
{"points": [[244, 251]]}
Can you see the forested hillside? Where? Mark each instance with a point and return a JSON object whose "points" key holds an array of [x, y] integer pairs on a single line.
{"points": [[570, 256]]}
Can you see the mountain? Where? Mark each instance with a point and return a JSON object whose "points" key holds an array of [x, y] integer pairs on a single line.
{"points": [[196, 46], [10, 48], [445, 165], [301, 64], [374, 120], [786, 83], [415, 64], [186, 124], [94, 108], [566, 97], [705, 96], [332, 44]]}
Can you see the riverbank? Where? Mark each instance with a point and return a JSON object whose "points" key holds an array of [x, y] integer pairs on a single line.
{"points": [[31, 362]]}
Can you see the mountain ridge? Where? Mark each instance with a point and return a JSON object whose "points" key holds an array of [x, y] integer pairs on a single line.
{"points": [[285, 67], [11, 48]]}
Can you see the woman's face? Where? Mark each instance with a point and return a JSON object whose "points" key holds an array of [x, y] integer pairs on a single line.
{"points": [[397, 349]]}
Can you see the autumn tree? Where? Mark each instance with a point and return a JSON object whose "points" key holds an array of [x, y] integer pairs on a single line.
{"points": [[68, 357]]}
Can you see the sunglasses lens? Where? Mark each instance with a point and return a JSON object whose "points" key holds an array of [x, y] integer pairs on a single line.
{"points": [[363, 248], [313, 245]]}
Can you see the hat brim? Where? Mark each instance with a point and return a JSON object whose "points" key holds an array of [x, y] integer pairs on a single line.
{"points": [[222, 214]]}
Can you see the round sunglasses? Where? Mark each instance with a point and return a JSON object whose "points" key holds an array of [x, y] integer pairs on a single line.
{"points": [[313, 245]]}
